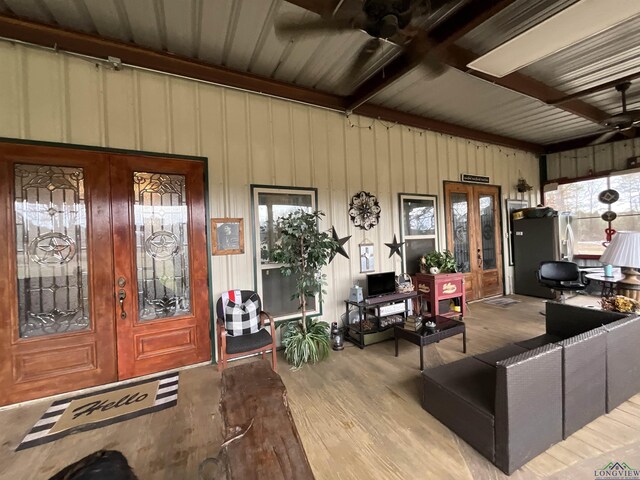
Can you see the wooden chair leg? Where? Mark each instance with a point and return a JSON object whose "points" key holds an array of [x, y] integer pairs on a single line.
{"points": [[274, 360], [262, 354]]}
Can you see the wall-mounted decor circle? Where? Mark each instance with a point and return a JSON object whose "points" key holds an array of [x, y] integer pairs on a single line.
{"points": [[609, 196], [609, 216], [364, 210]]}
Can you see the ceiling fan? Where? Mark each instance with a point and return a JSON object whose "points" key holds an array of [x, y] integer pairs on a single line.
{"points": [[394, 21], [623, 122]]}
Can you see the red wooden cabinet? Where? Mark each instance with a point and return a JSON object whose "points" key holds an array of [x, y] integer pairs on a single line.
{"points": [[435, 288]]}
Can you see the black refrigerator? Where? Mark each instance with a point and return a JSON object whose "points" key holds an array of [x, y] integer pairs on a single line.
{"points": [[535, 240]]}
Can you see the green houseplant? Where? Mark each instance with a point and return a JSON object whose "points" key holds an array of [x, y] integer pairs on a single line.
{"points": [[444, 261], [304, 250]]}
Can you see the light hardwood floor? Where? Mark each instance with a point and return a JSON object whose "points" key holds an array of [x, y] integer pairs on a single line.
{"points": [[358, 414]]}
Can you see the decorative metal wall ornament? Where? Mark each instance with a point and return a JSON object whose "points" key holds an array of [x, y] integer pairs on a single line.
{"points": [[340, 242], [522, 186], [364, 210], [395, 247], [608, 196]]}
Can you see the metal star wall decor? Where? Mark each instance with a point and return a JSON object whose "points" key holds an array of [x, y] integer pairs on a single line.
{"points": [[395, 247], [341, 242]]}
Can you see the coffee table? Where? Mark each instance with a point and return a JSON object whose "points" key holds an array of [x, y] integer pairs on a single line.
{"points": [[445, 327]]}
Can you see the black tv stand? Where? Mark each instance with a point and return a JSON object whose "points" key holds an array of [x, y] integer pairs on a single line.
{"points": [[370, 307], [388, 297]]}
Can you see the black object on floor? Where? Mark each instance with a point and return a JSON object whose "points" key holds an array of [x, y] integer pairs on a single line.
{"points": [[100, 465]]}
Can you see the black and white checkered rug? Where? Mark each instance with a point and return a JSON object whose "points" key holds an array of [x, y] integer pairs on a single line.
{"points": [[105, 407]]}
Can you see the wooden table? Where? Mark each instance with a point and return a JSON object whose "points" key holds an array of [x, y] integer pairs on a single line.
{"points": [[445, 328], [254, 402]]}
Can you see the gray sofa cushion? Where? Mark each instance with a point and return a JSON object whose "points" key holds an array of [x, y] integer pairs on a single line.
{"points": [[584, 379], [538, 341], [461, 395], [623, 360], [493, 357]]}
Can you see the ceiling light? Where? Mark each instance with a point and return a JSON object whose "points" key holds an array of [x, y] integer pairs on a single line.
{"points": [[573, 24]]}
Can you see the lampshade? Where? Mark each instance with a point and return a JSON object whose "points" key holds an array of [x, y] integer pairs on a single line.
{"points": [[623, 251]]}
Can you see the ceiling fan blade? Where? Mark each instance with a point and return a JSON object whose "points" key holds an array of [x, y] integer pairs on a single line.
{"points": [[604, 137], [287, 27], [421, 50], [366, 53], [630, 132]]}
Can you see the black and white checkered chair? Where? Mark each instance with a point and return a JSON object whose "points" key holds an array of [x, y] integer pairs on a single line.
{"points": [[241, 327]]}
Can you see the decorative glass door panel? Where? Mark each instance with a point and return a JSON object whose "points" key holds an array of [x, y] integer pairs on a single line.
{"points": [[51, 247], [460, 226], [488, 229], [162, 246]]}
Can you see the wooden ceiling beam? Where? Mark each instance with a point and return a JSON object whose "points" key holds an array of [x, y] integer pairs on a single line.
{"points": [[95, 46], [462, 21]]}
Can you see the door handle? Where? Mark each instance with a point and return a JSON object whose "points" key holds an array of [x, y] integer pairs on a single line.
{"points": [[121, 296], [479, 259]]}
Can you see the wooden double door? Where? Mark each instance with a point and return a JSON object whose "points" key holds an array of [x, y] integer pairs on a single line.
{"points": [[473, 235], [104, 268]]}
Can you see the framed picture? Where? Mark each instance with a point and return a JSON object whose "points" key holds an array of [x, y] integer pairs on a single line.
{"points": [[512, 206], [227, 236], [367, 260]]}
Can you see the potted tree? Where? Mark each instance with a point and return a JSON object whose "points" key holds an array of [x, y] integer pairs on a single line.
{"points": [[438, 262], [304, 250]]}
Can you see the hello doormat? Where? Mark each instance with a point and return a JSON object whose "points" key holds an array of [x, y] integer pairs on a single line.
{"points": [[502, 302], [95, 410]]}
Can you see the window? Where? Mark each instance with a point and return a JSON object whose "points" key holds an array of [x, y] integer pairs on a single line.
{"points": [[418, 228], [579, 200], [271, 203]]}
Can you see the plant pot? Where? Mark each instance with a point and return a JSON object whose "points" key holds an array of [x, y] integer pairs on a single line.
{"points": [[434, 270]]}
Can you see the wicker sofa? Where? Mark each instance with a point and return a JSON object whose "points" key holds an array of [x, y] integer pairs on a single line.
{"points": [[513, 403]]}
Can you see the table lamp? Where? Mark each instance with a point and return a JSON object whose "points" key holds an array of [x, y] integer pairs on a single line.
{"points": [[624, 251]]}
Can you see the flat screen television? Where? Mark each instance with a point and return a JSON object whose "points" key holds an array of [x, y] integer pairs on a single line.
{"points": [[381, 284]]}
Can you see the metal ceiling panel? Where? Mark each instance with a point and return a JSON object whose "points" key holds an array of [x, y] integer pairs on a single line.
{"points": [[464, 100], [240, 34], [32, 9], [146, 28], [517, 18], [70, 14], [182, 26], [604, 57], [217, 19], [110, 19]]}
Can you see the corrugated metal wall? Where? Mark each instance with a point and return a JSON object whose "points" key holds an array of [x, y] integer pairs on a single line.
{"points": [[591, 160], [248, 139]]}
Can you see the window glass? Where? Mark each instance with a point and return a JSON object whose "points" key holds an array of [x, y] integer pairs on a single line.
{"points": [[274, 288], [580, 201], [419, 225]]}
